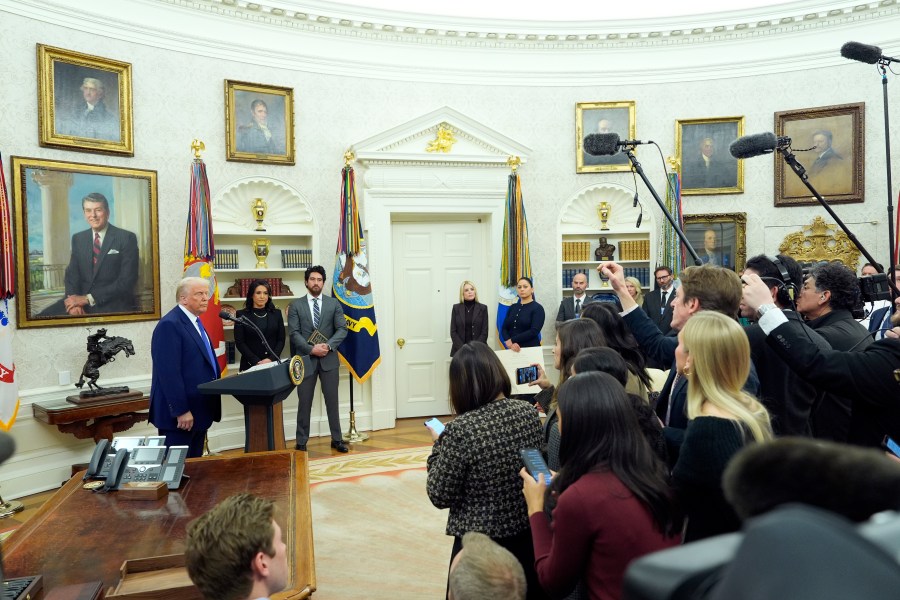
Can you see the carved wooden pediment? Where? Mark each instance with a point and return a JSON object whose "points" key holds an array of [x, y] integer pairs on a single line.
{"points": [[820, 241]]}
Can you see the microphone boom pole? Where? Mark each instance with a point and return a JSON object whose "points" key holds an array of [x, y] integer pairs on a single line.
{"points": [[890, 190], [629, 152]]}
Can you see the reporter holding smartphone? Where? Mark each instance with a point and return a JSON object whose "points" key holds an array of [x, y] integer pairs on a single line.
{"points": [[609, 503], [468, 319], [474, 464]]}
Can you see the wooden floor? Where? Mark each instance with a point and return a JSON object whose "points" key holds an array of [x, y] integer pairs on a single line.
{"points": [[408, 433]]}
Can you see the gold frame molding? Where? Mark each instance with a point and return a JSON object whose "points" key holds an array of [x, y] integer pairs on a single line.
{"points": [[48, 185], [53, 104], [704, 221], [238, 97], [820, 241], [851, 175], [607, 164], [723, 137]]}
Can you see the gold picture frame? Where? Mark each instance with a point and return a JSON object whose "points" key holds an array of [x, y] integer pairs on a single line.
{"points": [[84, 102], [729, 249], [706, 165], [838, 171], [259, 123], [619, 118], [62, 280]]}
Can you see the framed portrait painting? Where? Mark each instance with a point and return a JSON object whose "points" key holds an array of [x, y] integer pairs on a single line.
{"points": [[829, 141], [259, 123], [707, 166], [84, 102], [719, 239], [87, 248], [603, 117]]}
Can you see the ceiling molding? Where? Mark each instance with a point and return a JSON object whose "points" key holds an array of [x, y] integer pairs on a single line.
{"points": [[772, 40]]}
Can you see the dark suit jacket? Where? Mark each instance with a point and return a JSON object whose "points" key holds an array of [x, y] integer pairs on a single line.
{"points": [[661, 318], [721, 172], [458, 325], [880, 321], [332, 325], [180, 364], [112, 283], [867, 377], [567, 307]]}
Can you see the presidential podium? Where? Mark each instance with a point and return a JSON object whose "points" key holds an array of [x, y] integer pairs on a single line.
{"points": [[261, 392]]}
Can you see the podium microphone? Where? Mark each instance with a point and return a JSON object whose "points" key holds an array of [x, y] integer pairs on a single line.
{"points": [[757, 144], [605, 144], [241, 319], [865, 53]]}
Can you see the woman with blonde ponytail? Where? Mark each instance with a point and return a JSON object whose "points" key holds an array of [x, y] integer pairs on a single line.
{"points": [[714, 354]]}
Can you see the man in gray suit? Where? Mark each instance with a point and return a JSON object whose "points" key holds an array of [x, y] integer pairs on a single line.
{"points": [[570, 308], [309, 314]]}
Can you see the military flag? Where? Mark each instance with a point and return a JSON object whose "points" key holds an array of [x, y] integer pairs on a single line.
{"points": [[515, 261], [9, 389]]}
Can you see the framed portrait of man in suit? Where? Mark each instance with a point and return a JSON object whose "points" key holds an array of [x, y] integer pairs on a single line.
{"points": [[829, 141], [87, 248], [707, 166], [259, 123], [84, 102], [719, 239], [603, 117]]}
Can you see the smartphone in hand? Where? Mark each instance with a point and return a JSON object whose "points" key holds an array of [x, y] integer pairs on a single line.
{"points": [[435, 425], [535, 464], [891, 446], [526, 375]]}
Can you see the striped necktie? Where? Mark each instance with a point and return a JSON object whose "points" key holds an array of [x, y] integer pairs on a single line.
{"points": [[96, 249], [316, 313]]}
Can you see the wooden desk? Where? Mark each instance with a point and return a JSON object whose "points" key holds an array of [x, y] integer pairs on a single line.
{"points": [[97, 420], [80, 536]]}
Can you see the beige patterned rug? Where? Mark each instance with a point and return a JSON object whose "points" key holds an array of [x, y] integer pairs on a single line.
{"points": [[377, 536]]}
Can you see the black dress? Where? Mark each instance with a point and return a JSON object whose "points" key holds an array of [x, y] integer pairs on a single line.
{"points": [[252, 350], [523, 324]]}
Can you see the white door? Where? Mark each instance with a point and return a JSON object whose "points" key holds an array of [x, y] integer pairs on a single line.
{"points": [[431, 260]]}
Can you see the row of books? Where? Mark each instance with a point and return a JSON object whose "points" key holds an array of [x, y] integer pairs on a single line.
{"points": [[296, 259], [226, 258], [242, 286], [576, 251], [569, 274], [642, 274], [634, 250]]}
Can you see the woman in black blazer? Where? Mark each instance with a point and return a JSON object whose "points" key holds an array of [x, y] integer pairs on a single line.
{"points": [[468, 319], [259, 310]]}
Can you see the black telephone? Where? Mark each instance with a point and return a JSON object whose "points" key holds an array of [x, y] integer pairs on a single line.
{"points": [[116, 470], [97, 460]]}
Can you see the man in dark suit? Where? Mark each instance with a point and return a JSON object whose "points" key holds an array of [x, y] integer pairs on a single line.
{"points": [[183, 358], [91, 118], [822, 140], [309, 314], [708, 169], [570, 308], [658, 303], [103, 267], [880, 319]]}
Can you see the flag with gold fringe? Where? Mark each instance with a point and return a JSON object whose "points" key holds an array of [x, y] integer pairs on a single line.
{"points": [[515, 261], [9, 389], [670, 253], [352, 287], [199, 253]]}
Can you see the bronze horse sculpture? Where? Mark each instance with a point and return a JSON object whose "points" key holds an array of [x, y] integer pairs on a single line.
{"points": [[101, 350]]}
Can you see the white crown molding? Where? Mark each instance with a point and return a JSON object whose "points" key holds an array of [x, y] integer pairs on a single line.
{"points": [[394, 46]]}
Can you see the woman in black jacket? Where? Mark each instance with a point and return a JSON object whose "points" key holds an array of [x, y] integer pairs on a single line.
{"points": [[468, 319], [259, 310]]}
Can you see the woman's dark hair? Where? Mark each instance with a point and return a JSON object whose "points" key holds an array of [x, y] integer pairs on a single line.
{"points": [[619, 338], [600, 432], [476, 378], [248, 303], [604, 360], [575, 336]]}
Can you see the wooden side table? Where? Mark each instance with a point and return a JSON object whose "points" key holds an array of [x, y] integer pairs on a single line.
{"points": [[97, 420]]}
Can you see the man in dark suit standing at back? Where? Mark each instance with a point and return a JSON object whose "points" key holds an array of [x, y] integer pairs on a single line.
{"points": [[570, 308], [183, 358], [308, 315], [658, 303]]}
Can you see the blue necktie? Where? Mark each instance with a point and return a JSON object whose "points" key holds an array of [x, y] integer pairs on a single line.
{"points": [[316, 313], [205, 338]]}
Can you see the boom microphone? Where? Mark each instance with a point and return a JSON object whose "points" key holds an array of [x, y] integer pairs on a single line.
{"points": [[227, 316], [864, 53], [603, 144], [757, 144]]}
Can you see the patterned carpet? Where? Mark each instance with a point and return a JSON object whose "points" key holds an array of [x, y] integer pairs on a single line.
{"points": [[376, 534]]}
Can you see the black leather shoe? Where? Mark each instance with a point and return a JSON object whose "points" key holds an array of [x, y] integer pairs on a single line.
{"points": [[339, 446], [301, 447]]}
